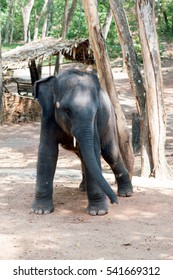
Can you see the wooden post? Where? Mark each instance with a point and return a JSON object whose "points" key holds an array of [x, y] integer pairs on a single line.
{"points": [[106, 79], [136, 81], [154, 88], [1, 89]]}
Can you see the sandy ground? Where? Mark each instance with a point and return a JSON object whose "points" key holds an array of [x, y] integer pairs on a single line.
{"points": [[139, 227]]}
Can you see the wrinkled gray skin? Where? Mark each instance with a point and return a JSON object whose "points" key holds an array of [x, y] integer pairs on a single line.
{"points": [[74, 105]]}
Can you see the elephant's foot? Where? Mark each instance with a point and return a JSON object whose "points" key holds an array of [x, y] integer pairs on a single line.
{"points": [[125, 187], [97, 208], [42, 206], [125, 191]]}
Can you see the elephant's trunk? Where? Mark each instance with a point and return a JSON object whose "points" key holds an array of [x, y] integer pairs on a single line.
{"points": [[86, 144]]}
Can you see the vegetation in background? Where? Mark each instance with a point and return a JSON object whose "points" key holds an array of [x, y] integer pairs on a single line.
{"points": [[12, 22]]}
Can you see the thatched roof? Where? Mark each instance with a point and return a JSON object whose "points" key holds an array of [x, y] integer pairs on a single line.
{"points": [[77, 50]]}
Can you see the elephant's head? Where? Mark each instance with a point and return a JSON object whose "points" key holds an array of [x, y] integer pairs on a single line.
{"points": [[74, 99]]}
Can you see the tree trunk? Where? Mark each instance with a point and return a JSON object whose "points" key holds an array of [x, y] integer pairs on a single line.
{"points": [[107, 23], [47, 19], [154, 88], [59, 57], [68, 14], [45, 26], [166, 21], [135, 78], [10, 10], [106, 80], [71, 13], [12, 23], [38, 18], [1, 89], [26, 12], [64, 24]]}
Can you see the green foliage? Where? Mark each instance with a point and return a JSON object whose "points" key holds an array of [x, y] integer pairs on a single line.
{"points": [[78, 29], [164, 13], [3, 5]]}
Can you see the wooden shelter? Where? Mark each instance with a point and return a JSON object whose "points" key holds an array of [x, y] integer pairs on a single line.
{"points": [[22, 107], [33, 53], [74, 50]]}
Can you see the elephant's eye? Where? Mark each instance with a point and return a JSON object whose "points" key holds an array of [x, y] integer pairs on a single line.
{"points": [[67, 111]]}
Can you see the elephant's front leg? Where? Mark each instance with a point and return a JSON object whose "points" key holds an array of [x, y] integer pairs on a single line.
{"points": [[46, 165], [97, 204]]}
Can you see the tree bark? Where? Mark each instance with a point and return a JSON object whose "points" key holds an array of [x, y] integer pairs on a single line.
{"points": [[68, 14], [26, 12], [47, 19], [154, 88], [64, 24], [107, 23], [136, 81], [1, 89], [10, 10], [106, 80], [71, 13], [12, 24], [38, 18]]}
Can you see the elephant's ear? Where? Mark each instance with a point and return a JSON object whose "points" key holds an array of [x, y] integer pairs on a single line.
{"points": [[43, 91]]}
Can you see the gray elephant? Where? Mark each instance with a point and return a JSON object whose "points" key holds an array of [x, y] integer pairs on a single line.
{"points": [[78, 114]]}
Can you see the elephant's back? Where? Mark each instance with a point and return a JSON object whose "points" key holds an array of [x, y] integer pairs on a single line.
{"points": [[73, 78]]}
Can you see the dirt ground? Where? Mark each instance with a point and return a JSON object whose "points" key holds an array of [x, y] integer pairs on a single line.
{"points": [[139, 227]]}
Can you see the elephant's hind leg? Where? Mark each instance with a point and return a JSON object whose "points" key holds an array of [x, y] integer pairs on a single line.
{"points": [[110, 153]]}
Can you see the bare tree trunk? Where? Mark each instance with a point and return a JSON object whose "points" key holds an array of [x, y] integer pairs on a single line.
{"points": [[12, 23], [45, 26], [107, 23], [136, 81], [106, 80], [47, 19], [68, 14], [38, 18], [71, 13], [59, 57], [64, 24], [154, 88], [10, 10], [26, 12], [1, 89]]}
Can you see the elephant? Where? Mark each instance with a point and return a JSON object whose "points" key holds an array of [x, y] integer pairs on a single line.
{"points": [[78, 114]]}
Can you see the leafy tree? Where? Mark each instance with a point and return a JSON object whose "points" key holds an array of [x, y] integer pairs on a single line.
{"points": [[38, 19], [164, 13], [11, 4], [26, 9], [46, 24], [52, 20]]}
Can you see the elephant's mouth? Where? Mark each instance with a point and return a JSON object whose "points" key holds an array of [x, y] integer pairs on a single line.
{"points": [[71, 146]]}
